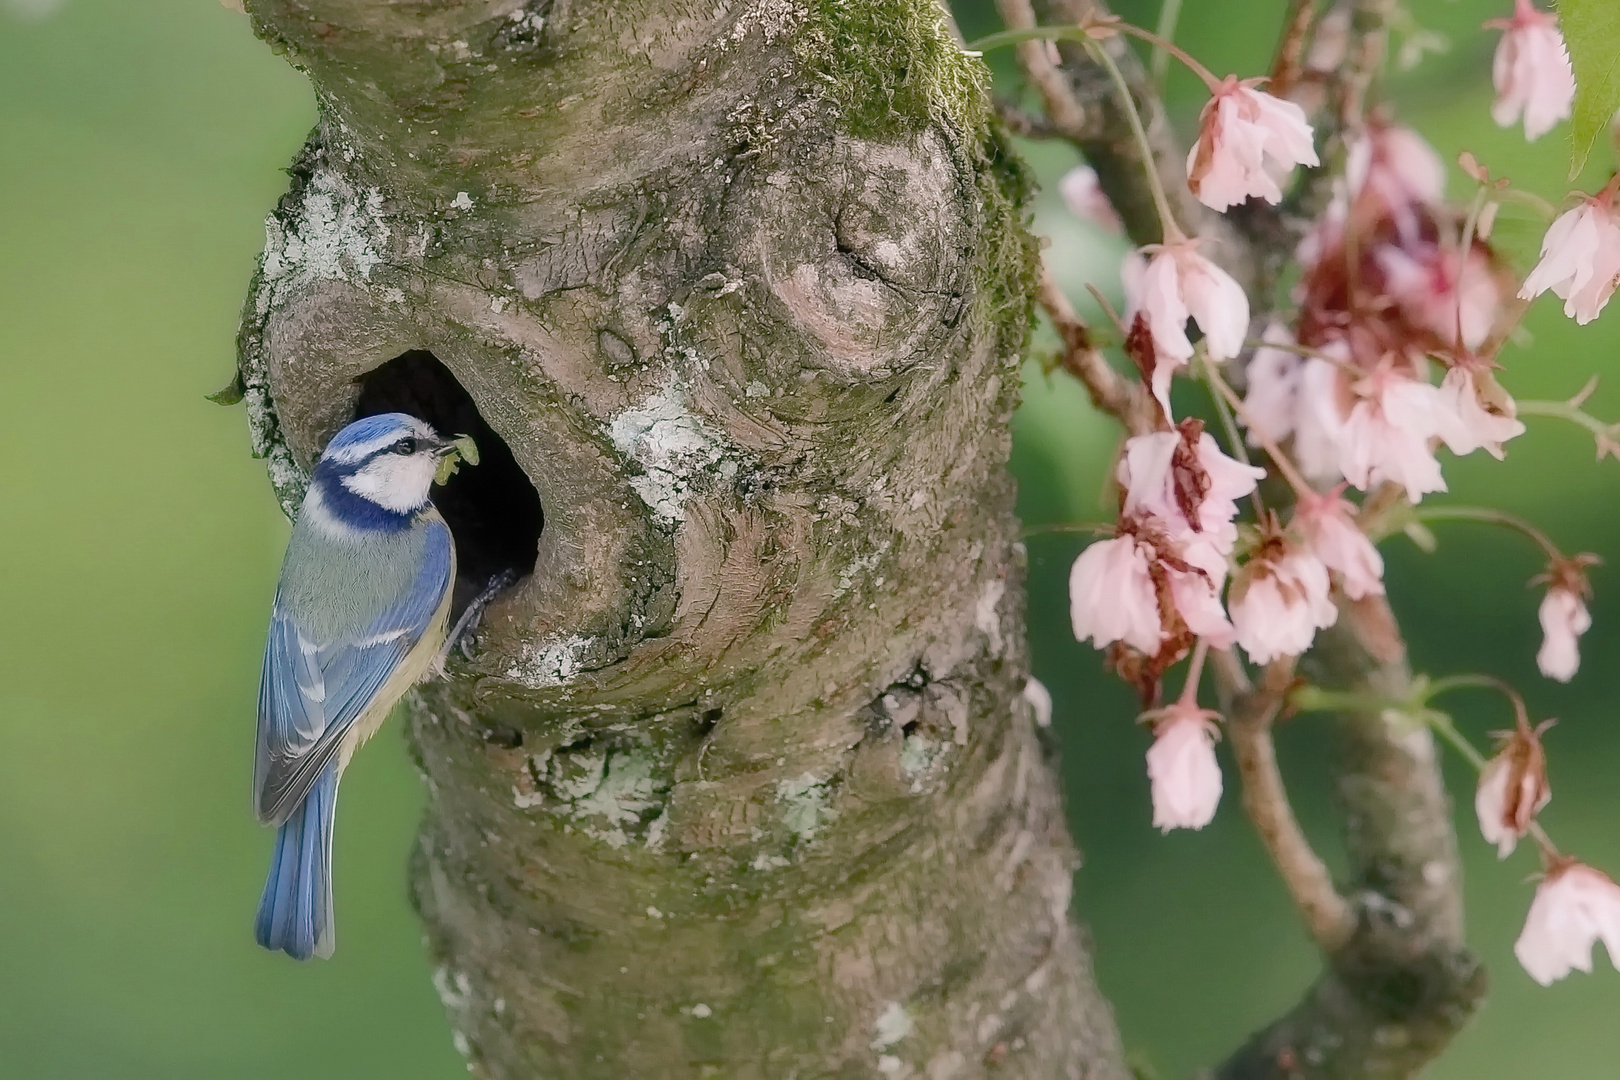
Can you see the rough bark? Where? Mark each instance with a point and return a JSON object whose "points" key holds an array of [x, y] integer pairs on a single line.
{"points": [[739, 781]]}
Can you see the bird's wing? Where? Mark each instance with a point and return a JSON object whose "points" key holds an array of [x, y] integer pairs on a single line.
{"points": [[312, 691]]}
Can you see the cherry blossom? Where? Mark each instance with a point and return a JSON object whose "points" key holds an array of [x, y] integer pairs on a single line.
{"points": [[1084, 196], [1178, 283], [1512, 788], [1243, 131], [1181, 765], [1271, 407], [1531, 71], [1442, 292], [1327, 525], [1564, 619], [1575, 907], [1397, 165], [1580, 260], [1279, 600], [1477, 412], [1183, 479], [1112, 596], [1196, 596], [1386, 436]]}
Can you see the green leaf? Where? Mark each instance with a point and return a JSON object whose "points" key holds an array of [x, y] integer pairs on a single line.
{"points": [[231, 394], [462, 449], [1592, 31]]}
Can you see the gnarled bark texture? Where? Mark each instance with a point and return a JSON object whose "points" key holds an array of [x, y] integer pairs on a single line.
{"points": [[739, 781]]}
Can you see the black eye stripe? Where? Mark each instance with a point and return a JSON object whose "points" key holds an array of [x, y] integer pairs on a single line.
{"points": [[404, 446]]}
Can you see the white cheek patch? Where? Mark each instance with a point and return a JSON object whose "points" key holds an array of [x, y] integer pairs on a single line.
{"points": [[397, 482]]}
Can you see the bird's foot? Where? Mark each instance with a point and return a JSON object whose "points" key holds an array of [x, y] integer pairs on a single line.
{"points": [[461, 635]]}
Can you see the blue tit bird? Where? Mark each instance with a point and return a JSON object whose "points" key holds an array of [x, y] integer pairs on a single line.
{"points": [[361, 613]]}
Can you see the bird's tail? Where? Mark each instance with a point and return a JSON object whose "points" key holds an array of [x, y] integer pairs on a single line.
{"points": [[295, 912]]}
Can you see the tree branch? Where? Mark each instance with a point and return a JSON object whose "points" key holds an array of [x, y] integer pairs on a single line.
{"points": [[1124, 399], [1251, 712], [1393, 995]]}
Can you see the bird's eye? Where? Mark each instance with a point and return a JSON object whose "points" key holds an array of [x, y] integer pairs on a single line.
{"points": [[405, 446]]}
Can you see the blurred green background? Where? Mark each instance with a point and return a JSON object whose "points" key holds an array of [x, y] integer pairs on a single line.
{"points": [[141, 143]]}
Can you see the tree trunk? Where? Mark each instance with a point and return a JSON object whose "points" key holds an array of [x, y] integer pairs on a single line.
{"points": [[739, 780]]}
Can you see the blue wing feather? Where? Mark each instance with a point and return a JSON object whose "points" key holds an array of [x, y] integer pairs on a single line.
{"points": [[312, 691]]}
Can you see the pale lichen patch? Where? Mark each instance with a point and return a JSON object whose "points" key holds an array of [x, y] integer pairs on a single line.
{"points": [[804, 806], [892, 1026], [550, 664], [674, 448], [334, 232]]}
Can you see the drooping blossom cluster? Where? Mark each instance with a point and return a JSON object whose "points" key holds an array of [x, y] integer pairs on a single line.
{"points": [[1246, 136], [1531, 71], [1575, 907], [1387, 353]]}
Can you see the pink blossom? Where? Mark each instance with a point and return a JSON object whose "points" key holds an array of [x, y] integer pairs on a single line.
{"points": [[1443, 292], [1531, 71], [1564, 619], [1197, 599], [1398, 165], [1241, 128], [1086, 201], [1112, 595], [1575, 907], [1181, 765], [1165, 484], [1271, 407], [1476, 412], [1279, 601], [1580, 260], [1179, 283], [1324, 396], [1327, 524], [1386, 436], [1512, 788]]}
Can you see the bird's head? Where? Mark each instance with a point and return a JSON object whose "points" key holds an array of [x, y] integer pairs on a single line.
{"points": [[389, 461]]}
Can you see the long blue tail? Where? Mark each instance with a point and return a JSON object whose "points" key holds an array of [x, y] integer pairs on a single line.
{"points": [[295, 912]]}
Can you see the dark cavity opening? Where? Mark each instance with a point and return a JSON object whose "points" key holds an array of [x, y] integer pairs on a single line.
{"points": [[492, 509]]}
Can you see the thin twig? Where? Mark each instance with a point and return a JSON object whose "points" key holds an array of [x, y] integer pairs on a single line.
{"points": [[1064, 113], [1328, 917], [1289, 63], [1110, 391], [1023, 123]]}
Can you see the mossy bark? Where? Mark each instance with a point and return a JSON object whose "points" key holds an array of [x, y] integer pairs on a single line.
{"points": [[740, 781]]}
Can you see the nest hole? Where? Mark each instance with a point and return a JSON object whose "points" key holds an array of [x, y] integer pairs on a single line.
{"points": [[492, 509]]}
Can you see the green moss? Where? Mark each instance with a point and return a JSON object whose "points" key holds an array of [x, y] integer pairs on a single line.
{"points": [[893, 67], [893, 64], [1009, 252]]}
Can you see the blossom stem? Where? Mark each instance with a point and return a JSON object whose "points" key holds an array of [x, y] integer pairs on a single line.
{"points": [[1167, 220], [1195, 672], [1605, 434], [1442, 725], [1225, 393], [1169, 16], [1487, 515], [1084, 34], [1474, 681], [1470, 224], [1306, 351], [1223, 409]]}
